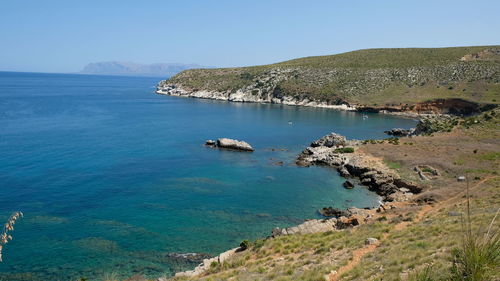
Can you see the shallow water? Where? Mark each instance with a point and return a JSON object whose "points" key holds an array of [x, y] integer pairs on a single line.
{"points": [[113, 178]]}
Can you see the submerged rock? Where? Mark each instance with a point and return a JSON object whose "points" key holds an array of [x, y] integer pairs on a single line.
{"points": [[210, 143], [348, 184]]}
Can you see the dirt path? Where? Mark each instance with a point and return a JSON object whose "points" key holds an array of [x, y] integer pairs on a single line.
{"points": [[358, 254]]}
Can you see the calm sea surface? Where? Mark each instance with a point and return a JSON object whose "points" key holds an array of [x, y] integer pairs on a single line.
{"points": [[114, 178]]}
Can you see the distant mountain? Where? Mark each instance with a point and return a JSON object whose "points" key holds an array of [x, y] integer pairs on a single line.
{"points": [[135, 69]]}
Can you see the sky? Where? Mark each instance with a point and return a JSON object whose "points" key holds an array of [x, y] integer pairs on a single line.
{"points": [[65, 35]]}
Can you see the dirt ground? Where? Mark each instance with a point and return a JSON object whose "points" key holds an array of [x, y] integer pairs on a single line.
{"points": [[454, 154]]}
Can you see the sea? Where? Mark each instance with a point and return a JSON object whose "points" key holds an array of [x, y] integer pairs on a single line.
{"points": [[115, 180]]}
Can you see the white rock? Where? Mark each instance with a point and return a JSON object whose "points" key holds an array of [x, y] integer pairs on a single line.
{"points": [[234, 144]]}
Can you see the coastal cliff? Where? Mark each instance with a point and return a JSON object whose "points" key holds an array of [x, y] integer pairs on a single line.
{"points": [[248, 94], [458, 80]]}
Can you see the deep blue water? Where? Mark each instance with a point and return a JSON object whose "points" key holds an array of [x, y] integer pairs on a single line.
{"points": [[112, 177]]}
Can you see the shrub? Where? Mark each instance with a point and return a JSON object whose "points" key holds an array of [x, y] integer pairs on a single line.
{"points": [[214, 264], [245, 244], [393, 140], [479, 255], [478, 258], [344, 150]]}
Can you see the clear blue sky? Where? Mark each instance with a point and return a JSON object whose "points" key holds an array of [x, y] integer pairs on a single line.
{"points": [[64, 35]]}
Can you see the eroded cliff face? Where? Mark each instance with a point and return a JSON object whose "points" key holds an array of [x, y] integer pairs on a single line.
{"points": [[263, 89]]}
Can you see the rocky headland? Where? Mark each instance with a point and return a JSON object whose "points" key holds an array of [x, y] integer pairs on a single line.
{"points": [[336, 151], [459, 81]]}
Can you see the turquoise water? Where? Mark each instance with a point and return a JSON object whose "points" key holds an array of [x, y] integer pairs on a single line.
{"points": [[113, 178]]}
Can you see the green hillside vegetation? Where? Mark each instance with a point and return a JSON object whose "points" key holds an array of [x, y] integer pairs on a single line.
{"points": [[367, 77]]}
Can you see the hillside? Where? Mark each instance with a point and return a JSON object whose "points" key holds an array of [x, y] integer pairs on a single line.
{"points": [[135, 69], [393, 79]]}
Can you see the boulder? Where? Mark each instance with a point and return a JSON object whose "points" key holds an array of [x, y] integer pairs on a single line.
{"points": [[399, 132], [428, 198], [359, 212], [344, 222], [411, 186], [348, 184], [234, 144], [344, 172], [320, 155], [309, 226], [333, 212], [399, 196], [276, 232], [331, 140], [371, 241]]}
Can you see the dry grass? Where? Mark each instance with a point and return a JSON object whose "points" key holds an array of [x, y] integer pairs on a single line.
{"points": [[8, 227]]}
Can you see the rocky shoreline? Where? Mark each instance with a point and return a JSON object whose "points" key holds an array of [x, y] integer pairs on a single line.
{"points": [[453, 106], [331, 150], [336, 151], [249, 95]]}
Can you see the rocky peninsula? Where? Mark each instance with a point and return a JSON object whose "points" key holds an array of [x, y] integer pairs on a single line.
{"points": [[460, 80]]}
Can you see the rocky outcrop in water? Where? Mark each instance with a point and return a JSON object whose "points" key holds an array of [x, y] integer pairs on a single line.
{"points": [[230, 144], [234, 144]]}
